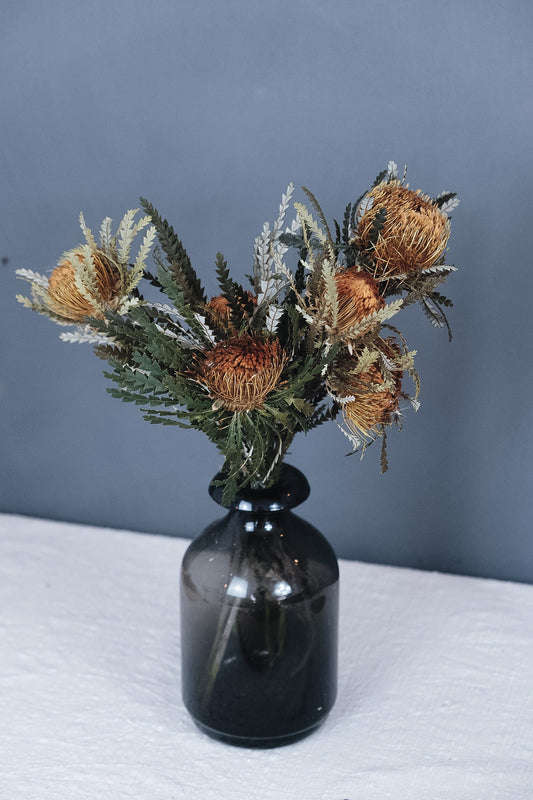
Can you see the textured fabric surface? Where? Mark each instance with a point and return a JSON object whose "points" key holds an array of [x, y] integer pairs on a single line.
{"points": [[435, 694]]}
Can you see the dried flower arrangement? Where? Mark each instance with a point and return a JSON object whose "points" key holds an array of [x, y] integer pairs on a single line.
{"points": [[253, 367]]}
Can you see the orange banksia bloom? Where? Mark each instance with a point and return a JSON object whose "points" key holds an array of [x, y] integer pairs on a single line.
{"points": [[93, 278], [371, 406], [220, 310], [241, 371], [373, 393], [219, 306], [413, 237], [358, 297], [64, 295]]}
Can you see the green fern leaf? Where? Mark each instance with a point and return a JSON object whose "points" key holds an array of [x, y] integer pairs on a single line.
{"points": [[383, 458], [180, 265], [380, 178], [435, 314], [346, 224], [377, 227]]}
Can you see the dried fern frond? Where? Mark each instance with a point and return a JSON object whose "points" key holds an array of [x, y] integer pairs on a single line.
{"points": [[32, 277], [372, 321], [89, 238], [330, 293], [132, 277], [309, 223], [107, 240], [84, 335], [318, 209]]}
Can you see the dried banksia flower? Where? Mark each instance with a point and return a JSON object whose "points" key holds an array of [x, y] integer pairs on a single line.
{"points": [[241, 371], [220, 309], [371, 406], [414, 235], [219, 306], [74, 304], [93, 278], [373, 395], [358, 297]]}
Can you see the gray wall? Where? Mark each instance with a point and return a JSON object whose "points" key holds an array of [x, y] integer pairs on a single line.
{"points": [[209, 109]]}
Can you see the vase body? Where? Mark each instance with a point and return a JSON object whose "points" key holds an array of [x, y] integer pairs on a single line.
{"points": [[259, 619]]}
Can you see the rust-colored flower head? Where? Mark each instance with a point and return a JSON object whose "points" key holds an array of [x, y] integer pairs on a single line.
{"points": [[358, 297], [219, 306], [372, 397], [370, 407], [241, 371], [220, 310], [413, 237], [93, 278], [68, 301]]}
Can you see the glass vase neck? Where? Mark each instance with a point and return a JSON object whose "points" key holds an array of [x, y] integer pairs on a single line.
{"points": [[288, 491]]}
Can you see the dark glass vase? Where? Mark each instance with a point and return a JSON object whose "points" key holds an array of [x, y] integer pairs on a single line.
{"points": [[259, 618]]}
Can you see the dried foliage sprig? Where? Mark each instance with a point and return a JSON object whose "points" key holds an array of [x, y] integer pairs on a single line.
{"points": [[92, 279], [251, 368]]}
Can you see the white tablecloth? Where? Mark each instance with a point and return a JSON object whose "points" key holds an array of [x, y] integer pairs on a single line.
{"points": [[435, 696]]}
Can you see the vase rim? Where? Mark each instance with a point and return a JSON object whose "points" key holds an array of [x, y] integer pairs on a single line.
{"points": [[291, 489]]}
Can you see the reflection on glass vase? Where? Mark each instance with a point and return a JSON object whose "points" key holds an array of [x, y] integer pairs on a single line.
{"points": [[259, 618]]}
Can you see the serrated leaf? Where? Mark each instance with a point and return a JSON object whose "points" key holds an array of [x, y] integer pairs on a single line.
{"points": [[89, 238], [447, 202], [392, 171], [308, 222], [32, 277], [106, 236]]}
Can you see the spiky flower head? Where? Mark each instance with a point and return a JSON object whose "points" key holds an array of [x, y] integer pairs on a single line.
{"points": [[414, 234], [92, 279], [219, 307], [369, 387], [220, 310], [241, 371], [73, 304], [357, 297], [372, 406]]}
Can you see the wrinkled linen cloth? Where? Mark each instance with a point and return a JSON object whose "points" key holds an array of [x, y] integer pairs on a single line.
{"points": [[435, 684]]}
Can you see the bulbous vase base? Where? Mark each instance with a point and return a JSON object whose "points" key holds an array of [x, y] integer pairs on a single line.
{"points": [[259, 742]]}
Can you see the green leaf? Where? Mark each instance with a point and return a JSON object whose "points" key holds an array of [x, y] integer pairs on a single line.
{"points": [[180, 264], [241, 306], [346, 224], [377, 227], [383, 458]]}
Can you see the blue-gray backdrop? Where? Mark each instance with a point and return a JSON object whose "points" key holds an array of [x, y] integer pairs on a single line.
{"points": [[209, 109]]}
